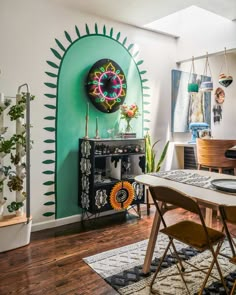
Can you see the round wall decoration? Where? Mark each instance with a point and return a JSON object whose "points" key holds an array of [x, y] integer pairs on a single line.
{"points": [[122, 195], [106, 85]]}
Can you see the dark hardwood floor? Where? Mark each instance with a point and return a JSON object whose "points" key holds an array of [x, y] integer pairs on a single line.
{"points": [[52, 262]]}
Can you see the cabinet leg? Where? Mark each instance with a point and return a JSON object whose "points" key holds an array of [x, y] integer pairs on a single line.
{"points": [[139, 211]]}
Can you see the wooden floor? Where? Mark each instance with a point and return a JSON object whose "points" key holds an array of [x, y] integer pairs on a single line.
{"points": [[52, 263]]}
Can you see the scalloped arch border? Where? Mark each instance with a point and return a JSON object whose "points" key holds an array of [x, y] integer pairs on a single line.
{"points": [[54, 96]]}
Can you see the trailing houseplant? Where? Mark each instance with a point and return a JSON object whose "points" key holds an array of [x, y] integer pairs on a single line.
{"points": [[16, 147]]}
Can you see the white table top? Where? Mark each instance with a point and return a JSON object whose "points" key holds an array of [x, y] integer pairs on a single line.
{"points": [[214, 197]]}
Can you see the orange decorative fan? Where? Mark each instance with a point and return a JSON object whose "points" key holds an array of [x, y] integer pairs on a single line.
{"points": [[122, 195]]}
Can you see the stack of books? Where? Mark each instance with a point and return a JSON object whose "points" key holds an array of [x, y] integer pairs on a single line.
{"points": [[128, 135]]}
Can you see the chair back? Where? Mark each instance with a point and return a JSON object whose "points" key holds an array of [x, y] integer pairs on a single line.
{"points": [[174, 197], [211, 152]]}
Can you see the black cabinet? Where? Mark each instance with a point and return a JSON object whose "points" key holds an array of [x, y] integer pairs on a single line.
{"points": [[107, 168]]}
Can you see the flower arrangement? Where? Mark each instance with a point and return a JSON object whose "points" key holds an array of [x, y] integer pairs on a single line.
{"points": [[128, 113]]}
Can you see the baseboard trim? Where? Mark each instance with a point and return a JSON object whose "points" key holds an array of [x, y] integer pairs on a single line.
{"points": [[63, 221]]}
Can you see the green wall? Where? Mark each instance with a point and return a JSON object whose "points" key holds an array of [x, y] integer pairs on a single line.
{"points": [[71, 108]]}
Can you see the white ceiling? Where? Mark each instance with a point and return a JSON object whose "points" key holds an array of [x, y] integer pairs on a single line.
{"points": [[142, 12]]}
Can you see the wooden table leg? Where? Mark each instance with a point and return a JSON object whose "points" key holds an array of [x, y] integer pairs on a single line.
{"points": [[208, 217], [152, 241]]}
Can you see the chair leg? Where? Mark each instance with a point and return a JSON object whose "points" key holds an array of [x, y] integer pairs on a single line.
{"points": [[182, 267], [159, 266], [214, 261], [233, 289]]}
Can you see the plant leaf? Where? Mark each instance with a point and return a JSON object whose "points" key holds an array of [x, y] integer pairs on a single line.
{"points": [[50, 129], [60, 45], [96, 28], [111, 32], [48, 162], [48, 172], [49, 203], [48, 182], [50, 106], [104, 30], [118, 36], [49, 140], [48, 214], [87, 29], [50, 95], [68, 37], [77, 31], [124, 41], [56, 53], [50, 118], [52, 64], [51, 74], [162, 157], [49, 193], [143, 72], [51, 85], [130, 47], [49, 152], [139, 63]]}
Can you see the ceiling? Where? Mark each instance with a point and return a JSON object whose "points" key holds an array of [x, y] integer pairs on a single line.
{"points": [[143, 12]]}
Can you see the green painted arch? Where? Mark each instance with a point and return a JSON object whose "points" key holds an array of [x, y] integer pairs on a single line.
{"points": [[68, 104]]}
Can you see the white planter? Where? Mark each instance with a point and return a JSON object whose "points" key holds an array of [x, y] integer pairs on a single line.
{"points": [[14, 232]]}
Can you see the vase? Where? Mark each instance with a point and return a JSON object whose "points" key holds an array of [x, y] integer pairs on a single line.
{"points": [[128, 127]]}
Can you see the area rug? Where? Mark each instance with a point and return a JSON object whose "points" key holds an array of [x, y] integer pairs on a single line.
{"points": [[122, 269]]}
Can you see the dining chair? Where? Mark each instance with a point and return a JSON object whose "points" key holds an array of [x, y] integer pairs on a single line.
{"points": [[194, 234], [211, 156], [228, 216]]}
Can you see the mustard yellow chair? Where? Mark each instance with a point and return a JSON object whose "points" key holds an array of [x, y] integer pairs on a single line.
{"points": [[194, 234]]}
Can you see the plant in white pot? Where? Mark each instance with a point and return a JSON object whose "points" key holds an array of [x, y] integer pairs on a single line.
{"points": [[16, 230]]}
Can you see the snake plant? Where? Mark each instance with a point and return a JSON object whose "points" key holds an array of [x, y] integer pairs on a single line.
{"points": [[151, 165]]}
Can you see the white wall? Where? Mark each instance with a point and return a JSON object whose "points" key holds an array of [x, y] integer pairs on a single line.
{"points": [[209, 32], [28, 29]]}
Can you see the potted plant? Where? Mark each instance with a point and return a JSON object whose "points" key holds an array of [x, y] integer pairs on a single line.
{"points": [[151, 164], [16, 227]]}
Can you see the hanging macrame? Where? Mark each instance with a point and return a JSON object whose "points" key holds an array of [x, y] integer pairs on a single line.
{"points": [[192, 82], [206, 86], [225, 79]]}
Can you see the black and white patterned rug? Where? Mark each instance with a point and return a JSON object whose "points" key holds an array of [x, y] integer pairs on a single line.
{"points": [[122, 269]]}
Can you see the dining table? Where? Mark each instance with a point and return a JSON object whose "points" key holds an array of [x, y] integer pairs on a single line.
{"points": [[207, 195]]}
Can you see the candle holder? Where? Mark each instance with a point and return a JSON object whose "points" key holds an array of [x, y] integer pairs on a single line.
{"points": [[97, 132], [86, 127], [86, 122]]}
